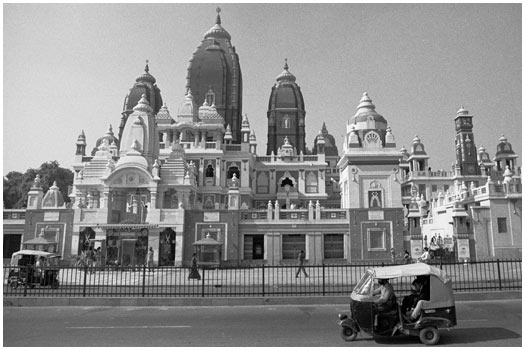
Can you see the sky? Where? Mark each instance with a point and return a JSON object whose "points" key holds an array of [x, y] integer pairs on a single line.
{"points": [[68, 68]]}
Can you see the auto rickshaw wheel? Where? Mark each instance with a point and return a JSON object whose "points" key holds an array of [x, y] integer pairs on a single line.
{"points": [[13, 284], [348, 334], [429, 336]]}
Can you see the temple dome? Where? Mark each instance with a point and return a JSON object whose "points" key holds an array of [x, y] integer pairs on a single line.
{"points": [[285, 92], [330, 147], [109, 136], [217, 31], [215, 66], [144, 85], [53, 197], [366, 111]]}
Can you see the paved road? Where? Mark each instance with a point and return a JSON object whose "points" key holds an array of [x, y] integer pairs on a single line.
{"points": [[486, 323]]}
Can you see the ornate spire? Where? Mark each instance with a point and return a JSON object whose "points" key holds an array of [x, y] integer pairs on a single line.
{"points": [[143, 105], [218, 20], [365, 103], [146, 77], [286, 75]]}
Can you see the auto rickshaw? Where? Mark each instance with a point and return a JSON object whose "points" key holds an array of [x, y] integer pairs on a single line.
{"points": [[34, 268], [438, 312]]}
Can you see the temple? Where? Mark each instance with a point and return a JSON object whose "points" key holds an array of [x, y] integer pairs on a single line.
{"points": [[189, 178]]}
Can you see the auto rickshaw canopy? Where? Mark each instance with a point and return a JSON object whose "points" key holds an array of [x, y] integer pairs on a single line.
{"points": [[408, 270], [15, 258]]}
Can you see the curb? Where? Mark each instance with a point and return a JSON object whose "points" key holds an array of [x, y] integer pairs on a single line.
{"points": [[219, 301]]}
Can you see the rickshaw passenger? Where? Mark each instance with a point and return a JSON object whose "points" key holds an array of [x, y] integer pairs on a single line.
{"points": [[386, 300], [424, 295]]}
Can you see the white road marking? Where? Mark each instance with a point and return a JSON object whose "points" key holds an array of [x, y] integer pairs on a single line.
{"points": [[124, 327]]}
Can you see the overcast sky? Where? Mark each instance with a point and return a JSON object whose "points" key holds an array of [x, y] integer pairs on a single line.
{"points": [[68, 68]]}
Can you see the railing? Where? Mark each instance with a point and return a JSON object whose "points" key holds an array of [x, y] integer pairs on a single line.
{"points": [[325, 279]]}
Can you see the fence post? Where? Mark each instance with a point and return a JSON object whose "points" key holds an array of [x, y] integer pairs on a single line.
{"points": [[203, 277], [323, 280], [499, 276], [27, 280], [85, 280], [144, 280], [263, 292]]}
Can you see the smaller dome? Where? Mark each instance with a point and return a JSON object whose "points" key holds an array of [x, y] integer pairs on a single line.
{"points": [[502, 139], [416, 139], [403, 150], [366, 110], [164, 114], [108, 139], [462, 111], [217, 31], [146, 77], [53, 197], [133, 157], [143, 105]]}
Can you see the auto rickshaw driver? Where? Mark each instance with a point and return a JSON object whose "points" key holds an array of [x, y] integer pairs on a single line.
{"points": [[386, 300]]}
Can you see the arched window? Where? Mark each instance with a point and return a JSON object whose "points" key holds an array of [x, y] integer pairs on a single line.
{"points": [[209, 171], [262, 183], [311, 182]]}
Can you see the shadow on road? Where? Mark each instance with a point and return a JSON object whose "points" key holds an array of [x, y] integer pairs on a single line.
{"points": [[473, 335], [456, 336]]}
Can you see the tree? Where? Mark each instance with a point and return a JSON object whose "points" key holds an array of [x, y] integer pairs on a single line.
{"points": [[17, 185]]}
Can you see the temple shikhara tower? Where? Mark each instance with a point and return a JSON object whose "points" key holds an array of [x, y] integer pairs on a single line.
{"points": [[183, 174]]}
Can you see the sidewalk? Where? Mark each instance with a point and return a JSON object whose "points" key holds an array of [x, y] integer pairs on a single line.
{"points": [[220, 301]]}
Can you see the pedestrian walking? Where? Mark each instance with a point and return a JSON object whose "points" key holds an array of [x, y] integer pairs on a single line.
{"points": [[393, 255], [91, 260], [149, 262], [194, 272], [300, 259]]}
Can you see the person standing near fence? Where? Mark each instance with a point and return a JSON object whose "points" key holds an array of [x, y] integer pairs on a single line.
{"points": [[149, 262], [194, 272], [91, 260], [406, 258], [300, 259]]}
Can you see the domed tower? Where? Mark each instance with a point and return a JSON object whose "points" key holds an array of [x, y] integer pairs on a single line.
{"points": [[466, 154], [286, 114], [145, 84], [330, 148], [109, 137], [215, 66], [505, 156]]}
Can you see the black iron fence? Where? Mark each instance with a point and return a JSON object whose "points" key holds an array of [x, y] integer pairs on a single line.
{"points": [[325, 279]]}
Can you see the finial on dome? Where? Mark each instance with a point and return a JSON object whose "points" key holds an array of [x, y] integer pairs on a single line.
{"points": [[218, 20], [286, 63], [147, 66]]}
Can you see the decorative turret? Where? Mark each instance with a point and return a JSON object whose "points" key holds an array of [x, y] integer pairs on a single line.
{"points": [[164, 117], [215, 64], [504, 155], [253, 142], [81, 144], [35, 194], [245, 130], [145, 84], [418, 159], [320, 143], [484, 161], [286, 113], [188, 111]]}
